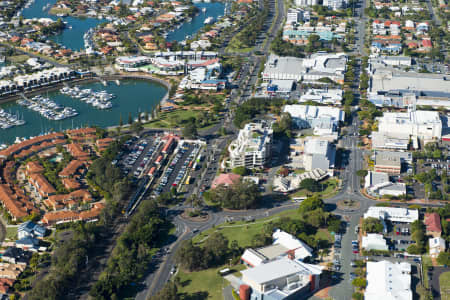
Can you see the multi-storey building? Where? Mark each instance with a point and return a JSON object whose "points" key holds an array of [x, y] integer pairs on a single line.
{"points": [[252, 148]]}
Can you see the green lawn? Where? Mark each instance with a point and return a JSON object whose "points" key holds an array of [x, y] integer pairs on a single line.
{"points": [[329, 186], [243, 231], [11, 233], [174, 118], [444, 284], [323, 234], [426, 262], [18, 58], [207, 282]]}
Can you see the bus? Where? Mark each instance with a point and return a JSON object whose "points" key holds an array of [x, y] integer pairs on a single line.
{"points": [[188, 180], [152, 171]]}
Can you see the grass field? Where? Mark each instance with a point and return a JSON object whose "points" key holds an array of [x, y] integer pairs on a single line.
{"points": [[11, 233], [174, 119], [444, 284], [18, 59], [243, 231], [329, 188], [207, 284]]}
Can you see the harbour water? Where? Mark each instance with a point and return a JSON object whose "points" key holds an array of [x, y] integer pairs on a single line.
{"points": [[145, 96], [70, 38], [213, 9]]}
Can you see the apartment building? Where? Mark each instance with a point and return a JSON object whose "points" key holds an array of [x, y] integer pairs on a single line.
{"points": [[252, 148]]}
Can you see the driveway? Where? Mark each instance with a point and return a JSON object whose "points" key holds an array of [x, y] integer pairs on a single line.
{"points": [[434, 281]]}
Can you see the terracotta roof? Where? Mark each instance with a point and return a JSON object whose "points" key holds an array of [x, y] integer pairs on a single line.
{"points": [[76, 151], [41, 184], [71, 168], [13, 202], [16, 148], [225, 179], [71, 184], [81, 131], [433, 222], [34, 167]]}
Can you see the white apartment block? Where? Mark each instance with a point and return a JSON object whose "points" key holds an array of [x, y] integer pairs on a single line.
{"points": [[252, 148], [306, 2]]}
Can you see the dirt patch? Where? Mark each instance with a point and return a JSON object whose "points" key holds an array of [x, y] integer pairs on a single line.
{"points": [[348, 205]]}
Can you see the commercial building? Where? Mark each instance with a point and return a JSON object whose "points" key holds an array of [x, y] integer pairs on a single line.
{"points": [[386, 140], [284, 245], [323, 119], [393, 214], [390, 161], [335, 4], [131, 62], [323, 96], [317, 66], [386, 280], [319, 154], [390, 86], [374, 241], [252, 148], [282, 279], [378, 184], [417, 124]]}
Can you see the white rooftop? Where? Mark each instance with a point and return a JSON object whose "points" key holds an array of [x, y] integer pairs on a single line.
{"points": [[292, 243], [388, 281], [396, 214], [280, 268]]}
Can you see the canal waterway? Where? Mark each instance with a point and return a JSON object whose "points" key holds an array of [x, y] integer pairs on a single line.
{"points": [[132, 96], [213, 9], [71, 37]]}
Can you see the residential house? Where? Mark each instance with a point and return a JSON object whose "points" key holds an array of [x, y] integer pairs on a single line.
{"points": [[433, 224]]}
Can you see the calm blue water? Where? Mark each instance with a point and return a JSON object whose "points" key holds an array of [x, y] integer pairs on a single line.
{"points": [[144, 96], [214, 9], [71, 38]]}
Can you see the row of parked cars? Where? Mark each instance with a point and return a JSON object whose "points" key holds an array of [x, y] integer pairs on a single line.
{"points": [[147, 158], [134, 154], [182, 148]]}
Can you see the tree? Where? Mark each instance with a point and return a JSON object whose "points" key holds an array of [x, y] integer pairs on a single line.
{"points": [[362, 173], [190, 130], [240, 195], [359, 282], [168, 292], [310, 184], [372, 225], [217, 246], [240, 171], [310, 204], [444, 258]]}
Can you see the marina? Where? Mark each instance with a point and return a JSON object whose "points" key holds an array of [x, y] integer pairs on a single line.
{"points": [[47, 108], [8, 120], [145, 96], [100, 100]]}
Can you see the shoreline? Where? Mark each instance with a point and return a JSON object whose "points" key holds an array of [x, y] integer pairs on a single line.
{"points": [[59, 85]]}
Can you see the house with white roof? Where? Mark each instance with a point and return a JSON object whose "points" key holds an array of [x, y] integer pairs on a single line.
{"points": [[437, 245], [388, 281]]}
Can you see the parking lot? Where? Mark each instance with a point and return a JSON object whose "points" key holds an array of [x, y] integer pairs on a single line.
{"points": [[177, 172]]}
